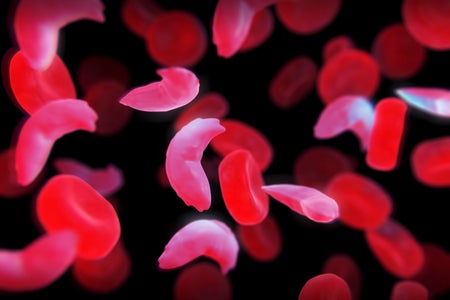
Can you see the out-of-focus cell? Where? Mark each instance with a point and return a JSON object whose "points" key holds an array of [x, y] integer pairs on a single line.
{"points": [[39, 264], [350, 72], [293, 82], [261, 29], [325, 286], [336, 45], [408, 290], [37, 25], [68, 202], [434, 101], [137, 15], [209, 238], [398, 54], [178, 87], [202, 280], [240, 182], [161, 176]]}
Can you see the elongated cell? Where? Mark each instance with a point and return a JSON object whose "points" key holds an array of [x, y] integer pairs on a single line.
{"points": [[39, 264], [325, 286], [305, 201], [33, 88], [433, 101], [209, 238], [351, 72], [336, 45], [241, 184], [408, 290], [37, 25], [178, 87], [183, 161], [293, 82], [396, 249], [43, 128], [398, 54], [363, 203], [137, 15], [261, 29], [346, 113], [68, 202]]}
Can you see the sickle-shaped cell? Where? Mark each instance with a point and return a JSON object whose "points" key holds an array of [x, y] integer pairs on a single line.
{"points": [[183, 161], [325, 286], [178, 87], [210, 238], [409, 290], [40, 131], [37, 25], [262, 26], [434, 101]]}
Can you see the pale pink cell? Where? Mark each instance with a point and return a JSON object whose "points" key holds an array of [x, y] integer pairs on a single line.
{"points": [[431, 100], [137, 15], [293, 82], [39, 264], [305, 201], [68, 202], [37, 25], [241, 184], [336, 45], [261, 29], [178, 87], [408, 290], [183, 161], [43, 128], [326, 286], [209, 238]]}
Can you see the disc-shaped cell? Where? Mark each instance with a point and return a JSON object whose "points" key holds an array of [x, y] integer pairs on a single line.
{"points": [[325, 286], [261, 29], [336, 45], [409, 290], [137, 15], [431, 100]]}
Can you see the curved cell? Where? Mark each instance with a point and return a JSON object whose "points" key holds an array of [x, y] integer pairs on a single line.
{"points": [[37, 25], [434, 101], [325, 286], [68, 202], [183, 161], [409, 290], [336, 45], [261, 29], [178, 87], [209, 238], [137, 15]]}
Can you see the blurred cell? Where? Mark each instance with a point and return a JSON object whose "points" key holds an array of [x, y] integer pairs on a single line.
{"points": [[137, 15], [161, 176], [261, 29], [325, 286], [408, 290], [431, 100], [336, 45]]}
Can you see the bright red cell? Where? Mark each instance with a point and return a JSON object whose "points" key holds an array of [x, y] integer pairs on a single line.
{"points": [[325, 286], [336, 45], [293, 82], [137, 15], [409, 290], [261, 29]]}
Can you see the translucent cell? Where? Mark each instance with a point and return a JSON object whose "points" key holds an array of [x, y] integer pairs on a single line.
{"points": [[68, 202], [336, 45], [39, 264], [433, 101], [351, 72], [363, 203], [178, 87], [293, 82], [261, 29], [304, 200], [398, 54], [209, 238], [240, 183], [408, 290], [37, 25], [43, 128], [325, 286], [137, 15], [396, 249]]}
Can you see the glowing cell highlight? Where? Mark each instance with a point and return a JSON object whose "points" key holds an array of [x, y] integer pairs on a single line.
{"points": [[261, 29], [431, 100], [325, 286], [409, 290]]}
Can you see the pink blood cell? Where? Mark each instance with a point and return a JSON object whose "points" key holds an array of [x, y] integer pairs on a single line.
{"points": [[433, 101], [210, 238], [183, 161], [240, 135], [39, 264], [346, 113], [241, 185], [396, 249], [351, 72], [409, 290], [336, 45], [293, 82], [37, 25], [325, 286], [388, 131], [68, 202], [398, 54], [307, 17], [427, 22], [363, 203], [306, 201], [261, 29], [33, 88], [178, 87], [202, 281], [45, 126], [137, 15]]}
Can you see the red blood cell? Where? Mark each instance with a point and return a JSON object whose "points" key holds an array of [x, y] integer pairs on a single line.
{"points": [[399, 56], [396, 249], [434, 101], [307, 17], [388, 131], [240, 135], [183, 161], [337, 45], [68, 202], [363, 203], [37, 25], [240, 183], [258, 5], [263, 241], [178, 87], [428, 22], [161, 176], [33, 88], [293, 82], [408, 290], [261, 28], [351, 72], [137, 15], [209, 238], [325, 286]]}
